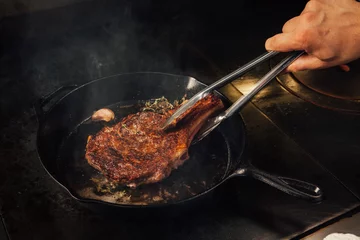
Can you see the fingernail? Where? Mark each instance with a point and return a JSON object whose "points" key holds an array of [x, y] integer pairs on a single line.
{"points": [[344, 67]]}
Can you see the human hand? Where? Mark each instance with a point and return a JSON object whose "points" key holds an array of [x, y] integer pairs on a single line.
{"points": [[327, 30]]}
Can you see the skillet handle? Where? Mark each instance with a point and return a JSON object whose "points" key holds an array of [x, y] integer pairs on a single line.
{"points": [[42, 102], [290, 186]]}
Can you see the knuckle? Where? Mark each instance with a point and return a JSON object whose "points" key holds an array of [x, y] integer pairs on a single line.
{"points": [[286, 26], [304, 38], [312, 5], [294, 68], [326, 54], [308, 17]]}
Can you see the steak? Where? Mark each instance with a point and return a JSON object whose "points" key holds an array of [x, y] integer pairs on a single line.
{"points": [[138, 151]]}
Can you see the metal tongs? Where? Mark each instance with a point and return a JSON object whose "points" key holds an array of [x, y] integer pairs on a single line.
{"points": [[212, 123]]}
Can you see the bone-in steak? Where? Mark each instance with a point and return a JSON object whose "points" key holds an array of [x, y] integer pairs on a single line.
{"points": [[137, 151]]}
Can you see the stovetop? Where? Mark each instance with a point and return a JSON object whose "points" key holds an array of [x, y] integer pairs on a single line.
{"points": [[286, 135]]}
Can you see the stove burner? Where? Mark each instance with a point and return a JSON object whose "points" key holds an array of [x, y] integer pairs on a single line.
{"points": [[334, 82], [331, 88]]}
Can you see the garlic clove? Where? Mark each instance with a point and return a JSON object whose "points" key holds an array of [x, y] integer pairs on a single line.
{"points": [[103, 114]]}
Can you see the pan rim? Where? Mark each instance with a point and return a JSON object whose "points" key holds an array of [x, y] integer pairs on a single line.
{"points": [[226, 177]]}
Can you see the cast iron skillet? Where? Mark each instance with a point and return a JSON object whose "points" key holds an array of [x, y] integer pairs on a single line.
{"points": [[65, 124]]}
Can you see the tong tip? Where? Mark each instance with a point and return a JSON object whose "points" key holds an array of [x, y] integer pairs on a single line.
{"points": [[168, 124], [178, 114]]}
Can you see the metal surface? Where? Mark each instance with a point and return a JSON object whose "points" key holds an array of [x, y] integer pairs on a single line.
{"points": [[44, 51], [348, 225], [299, 189], [215, 121], [217, 84], [3, 233], [328, 88], [333, 82]]}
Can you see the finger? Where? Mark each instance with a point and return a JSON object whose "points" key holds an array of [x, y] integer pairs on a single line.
{"points": [[344, 67], [283, 42], [290, 25], [307, 62]]}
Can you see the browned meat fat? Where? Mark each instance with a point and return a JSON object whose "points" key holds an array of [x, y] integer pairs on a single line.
{"points": [[137, 151]]}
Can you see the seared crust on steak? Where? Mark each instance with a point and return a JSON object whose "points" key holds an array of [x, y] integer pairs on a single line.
{"points": [[137, 151]]}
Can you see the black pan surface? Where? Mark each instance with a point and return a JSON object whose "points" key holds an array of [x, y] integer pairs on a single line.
{"points": [[65, 126]]}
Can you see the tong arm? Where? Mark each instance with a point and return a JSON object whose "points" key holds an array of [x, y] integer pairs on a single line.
{"points": [[215, 121], [223, 81]]}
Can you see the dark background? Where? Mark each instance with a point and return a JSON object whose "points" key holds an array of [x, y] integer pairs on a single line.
{"points": [[79, 42]]}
